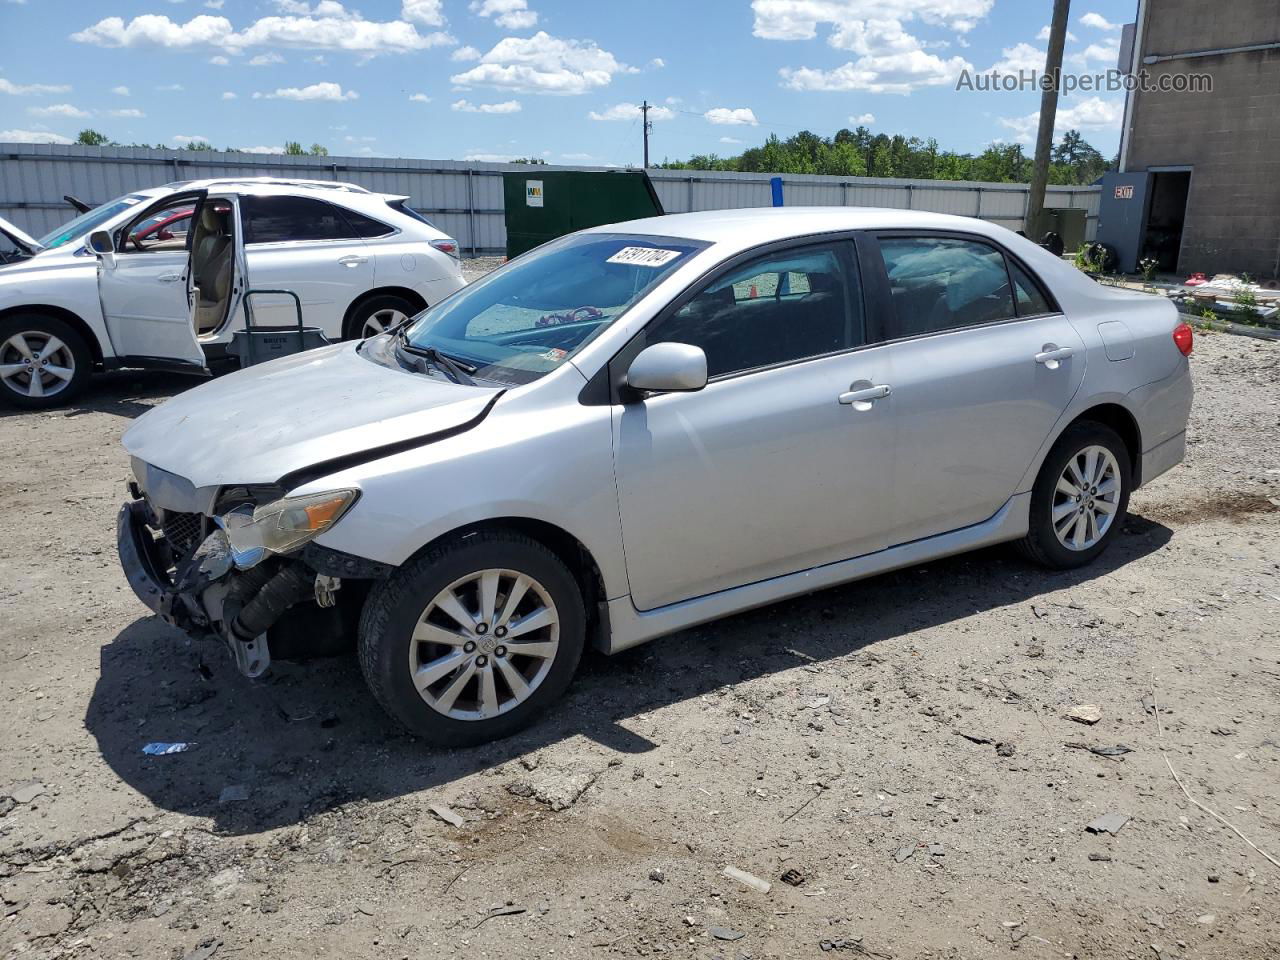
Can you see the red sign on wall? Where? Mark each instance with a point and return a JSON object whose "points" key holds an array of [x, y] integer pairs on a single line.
{"points": [[1124, 193]]}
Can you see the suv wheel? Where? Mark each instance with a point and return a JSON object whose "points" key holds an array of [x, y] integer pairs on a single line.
{"points": [[378, 315], [44, 362], [1080, 498], [470, 641]]}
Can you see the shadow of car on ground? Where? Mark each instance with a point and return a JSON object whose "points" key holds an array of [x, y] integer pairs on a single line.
{"points": [[124, 393], [309, 737]]}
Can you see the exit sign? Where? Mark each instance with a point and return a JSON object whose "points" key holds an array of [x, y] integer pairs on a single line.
{"points": [[1124, 193]]}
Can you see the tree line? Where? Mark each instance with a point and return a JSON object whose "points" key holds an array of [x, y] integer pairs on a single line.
{"points": [[292, 148], [860, 153]]}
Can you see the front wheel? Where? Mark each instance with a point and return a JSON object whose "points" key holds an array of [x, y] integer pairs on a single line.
{"points": [[44, 362], [1080, 498], [472, 640]]}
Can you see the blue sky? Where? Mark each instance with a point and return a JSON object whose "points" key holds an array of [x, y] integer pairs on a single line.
{"points": [[557, 79]]}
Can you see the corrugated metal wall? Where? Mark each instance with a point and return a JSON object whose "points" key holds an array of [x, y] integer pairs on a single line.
{"points": [[463, 198]]}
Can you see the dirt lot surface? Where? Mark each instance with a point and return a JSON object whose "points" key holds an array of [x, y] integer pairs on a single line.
{"points": [[899, 748]]}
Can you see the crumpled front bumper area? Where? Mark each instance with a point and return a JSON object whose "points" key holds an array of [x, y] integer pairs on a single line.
{"points": [[202, 593]]}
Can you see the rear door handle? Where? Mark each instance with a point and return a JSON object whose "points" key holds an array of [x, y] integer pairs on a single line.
{"points": [[1051, 355], [170, 278], [352, 260], [865, 395]]}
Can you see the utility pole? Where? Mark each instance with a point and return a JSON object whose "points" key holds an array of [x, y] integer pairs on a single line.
{"points": [[644, 112], [1048, 112]]}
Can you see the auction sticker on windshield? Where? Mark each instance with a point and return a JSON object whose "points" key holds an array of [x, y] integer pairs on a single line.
{"points": [[644, 256]]}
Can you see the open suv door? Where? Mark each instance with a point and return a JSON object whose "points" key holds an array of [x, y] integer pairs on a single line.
{"points": [[160, 290]]}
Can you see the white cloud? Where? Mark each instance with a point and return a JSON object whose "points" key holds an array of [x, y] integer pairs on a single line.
{"points": [[228, 95], [466, 106], [729, 116], [275, 150], [127, 112], [170, 88], [265, 59], [32, 136], [465, 53], [214, 4], [1098, 22], [1093, 113], [22, 89], [184, 139], [419, 98], [326, 26], [891, 73], [1106, 52], [325, 90], [58, 110], [219, 61], [1019, 57], [120, 91], [1043, 35], [350, 139], [863, 119], [849, 19], [426, 12], [629, 111], [543, 64], [657, 63], [512, 14], [730, 140]]}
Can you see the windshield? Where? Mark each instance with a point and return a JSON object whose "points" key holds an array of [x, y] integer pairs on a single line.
{"points": [[88, 222], [526, 319]]}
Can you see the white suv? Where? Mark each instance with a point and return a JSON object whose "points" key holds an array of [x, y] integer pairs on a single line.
{"points": [[157, 278]]}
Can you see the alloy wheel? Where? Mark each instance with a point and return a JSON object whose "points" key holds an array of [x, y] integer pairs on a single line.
{"points": [[36, 364], [484, 644], [380, 321], [1086, 498]]}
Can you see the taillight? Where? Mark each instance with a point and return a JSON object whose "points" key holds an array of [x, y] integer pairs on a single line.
{"points": [[447, 245], [1184, 338]]}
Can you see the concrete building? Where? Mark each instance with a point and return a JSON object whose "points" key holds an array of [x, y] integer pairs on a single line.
{"points": [[1199, 181]]}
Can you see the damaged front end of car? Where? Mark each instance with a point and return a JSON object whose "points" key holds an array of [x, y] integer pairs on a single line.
{"points": [[237, 566]]}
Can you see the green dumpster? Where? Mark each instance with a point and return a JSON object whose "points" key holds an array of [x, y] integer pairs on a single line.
{"points": [[543, 205]]}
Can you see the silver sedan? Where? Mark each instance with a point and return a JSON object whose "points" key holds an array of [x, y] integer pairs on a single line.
{"points": [[646, 426]]}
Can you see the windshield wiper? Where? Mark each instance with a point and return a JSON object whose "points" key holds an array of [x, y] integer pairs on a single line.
{"points": [[451, 368]]}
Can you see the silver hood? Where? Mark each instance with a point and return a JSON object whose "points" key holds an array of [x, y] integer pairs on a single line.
{"points": [[256, 426]]}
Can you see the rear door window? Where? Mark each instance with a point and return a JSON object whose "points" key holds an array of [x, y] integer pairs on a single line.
{"points": [[943, 283], [1031, 299], [283, 219]]}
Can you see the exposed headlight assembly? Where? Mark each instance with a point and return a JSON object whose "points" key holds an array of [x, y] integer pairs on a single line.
{"points": [[282, 525]]}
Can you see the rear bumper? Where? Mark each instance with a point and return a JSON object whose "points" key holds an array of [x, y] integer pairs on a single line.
{"points": [[1164, 457]]}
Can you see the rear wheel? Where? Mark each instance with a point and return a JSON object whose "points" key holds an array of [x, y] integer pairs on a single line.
{"points": [[1080, 498], [44, 362], [378, 315], [471, 641]]}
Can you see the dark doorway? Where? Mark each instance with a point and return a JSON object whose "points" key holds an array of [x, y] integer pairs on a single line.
{"points": [[1163, 239]]}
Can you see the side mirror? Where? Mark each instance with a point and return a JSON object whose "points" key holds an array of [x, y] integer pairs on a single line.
{"points": [[100, 243], [668, 368]]}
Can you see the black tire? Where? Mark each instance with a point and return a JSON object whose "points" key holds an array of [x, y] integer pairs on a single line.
{"points": [[40, 328], [382, 303], [1041, 543], [395, 605]]}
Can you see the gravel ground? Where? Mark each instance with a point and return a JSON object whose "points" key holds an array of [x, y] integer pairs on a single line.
{"points": [[899, 748]]}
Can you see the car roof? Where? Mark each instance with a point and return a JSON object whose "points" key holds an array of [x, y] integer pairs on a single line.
{"points": [[752, 226], [261, 184]]}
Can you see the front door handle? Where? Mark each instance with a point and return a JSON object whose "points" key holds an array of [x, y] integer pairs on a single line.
{"points": [[170, 278], [862, 397], [1051, 355], [352, 260]]}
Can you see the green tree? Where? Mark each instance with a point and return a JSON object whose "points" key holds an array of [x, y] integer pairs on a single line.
{"points": [[318, 150], [92, 138], [293, 148]]}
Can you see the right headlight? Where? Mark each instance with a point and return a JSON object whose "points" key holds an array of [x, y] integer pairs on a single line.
{"points": [[283, 525]]}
